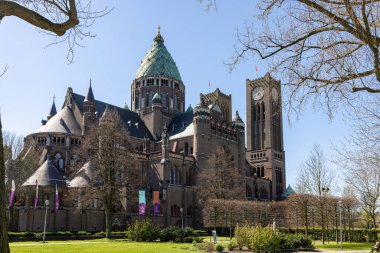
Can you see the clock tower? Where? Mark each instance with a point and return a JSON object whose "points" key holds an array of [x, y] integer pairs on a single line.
{"points": [[265, 146]]}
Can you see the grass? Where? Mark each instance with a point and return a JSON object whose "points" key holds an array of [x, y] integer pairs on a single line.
{"points": [[346, 246], [98, 246]]}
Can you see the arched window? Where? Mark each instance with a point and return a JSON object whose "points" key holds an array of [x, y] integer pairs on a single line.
{"points": [[58, 162], [186, 148], [262, 171]]}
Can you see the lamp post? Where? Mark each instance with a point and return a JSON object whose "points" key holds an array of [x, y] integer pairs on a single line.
{"points": [[181, 210], [340, 223], [46, 212]]}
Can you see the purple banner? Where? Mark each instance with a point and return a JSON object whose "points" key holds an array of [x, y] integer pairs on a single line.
{"points": [[56, 198], [11, 197]]}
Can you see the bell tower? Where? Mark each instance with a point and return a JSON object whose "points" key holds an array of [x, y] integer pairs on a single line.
{"points": [[265, 146]]}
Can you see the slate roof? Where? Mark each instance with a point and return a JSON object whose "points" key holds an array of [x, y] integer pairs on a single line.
{"points": [[158, 61], [53, 110], [132, 120], [90, 95], [180, 122], [189, 131], [46, 175], [63, 122], [83, 176]]}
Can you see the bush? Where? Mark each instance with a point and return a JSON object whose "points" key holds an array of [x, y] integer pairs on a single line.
{"points": [[257, 238], [295, 241], [188, 239], [144, 231], [264, 238], [243, 235], [233, 244], [219, 248], [176, 234], [207, 246]]}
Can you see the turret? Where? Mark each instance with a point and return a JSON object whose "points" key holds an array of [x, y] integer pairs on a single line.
{"points": [[89, 108], [238, 126], [201, 121], [53, 110]]}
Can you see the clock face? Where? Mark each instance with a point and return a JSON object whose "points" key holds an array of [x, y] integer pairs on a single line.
{"points": [[257, 93], [274, 94]]}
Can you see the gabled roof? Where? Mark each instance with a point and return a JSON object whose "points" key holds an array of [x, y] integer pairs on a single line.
{"points": [[132, 121], [180, 122], [63, 122], [158, 61], [46, 175]]}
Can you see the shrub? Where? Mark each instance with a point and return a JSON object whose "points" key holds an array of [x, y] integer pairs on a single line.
{"points": [[233, 244], [178, 240], [219, 248], [242, 235], [263, 238], [143, 231], [175, 233], [207, 246], [188, 239]]}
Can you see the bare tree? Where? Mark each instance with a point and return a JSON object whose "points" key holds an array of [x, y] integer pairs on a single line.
{"points": [[220, 179], [324, 50], [359, 157], [67, 19], [109, 149], [14, 143], [316, 179]]}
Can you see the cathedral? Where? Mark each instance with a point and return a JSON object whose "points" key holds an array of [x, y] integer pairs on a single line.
{"points": [[172, 142]]}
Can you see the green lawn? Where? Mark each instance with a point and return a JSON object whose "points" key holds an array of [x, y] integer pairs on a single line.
{"points": [[346, 246], [101, 246]]}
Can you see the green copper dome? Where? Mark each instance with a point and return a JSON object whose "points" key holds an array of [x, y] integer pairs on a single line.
{"points": [[158, 61]]}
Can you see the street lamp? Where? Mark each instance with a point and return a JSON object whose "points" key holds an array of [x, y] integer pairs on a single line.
{"points": [[340, 223], [46, 212], [181, 210]]}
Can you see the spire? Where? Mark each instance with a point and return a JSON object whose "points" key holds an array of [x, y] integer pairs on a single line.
{"points": [[158, 37], [53, 110], [237, 117], [90, 95]]}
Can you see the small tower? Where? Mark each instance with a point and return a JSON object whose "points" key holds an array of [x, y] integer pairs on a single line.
{"points": [[239, 126], [53, 110], [89, 107], [201, 121]]}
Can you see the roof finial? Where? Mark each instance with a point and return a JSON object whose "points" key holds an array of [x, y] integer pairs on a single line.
{"points": [[53, 99], [90, 82], [158, 37]]}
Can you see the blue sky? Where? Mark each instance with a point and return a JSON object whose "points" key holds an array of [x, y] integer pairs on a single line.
{"points": [[199, 42]]}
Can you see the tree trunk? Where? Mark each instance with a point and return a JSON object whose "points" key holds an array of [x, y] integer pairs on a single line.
{"points": [[108, 222], [4, 243], [306, 221]]}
